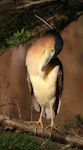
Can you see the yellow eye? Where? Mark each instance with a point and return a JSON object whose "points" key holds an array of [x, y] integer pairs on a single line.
{"points": [[52, 50]]}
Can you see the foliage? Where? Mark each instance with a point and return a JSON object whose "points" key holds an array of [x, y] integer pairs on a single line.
{"points": [[79, 119], [69, 124], [19, 37], [76, 122], [23, 141], [14, 21], [18, 141]]}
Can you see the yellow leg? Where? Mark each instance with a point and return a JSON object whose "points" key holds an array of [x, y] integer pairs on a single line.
{"points": [[40, 119], [52, 125], [38, 122]]}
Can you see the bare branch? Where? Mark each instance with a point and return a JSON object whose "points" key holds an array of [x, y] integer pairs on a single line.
{"points": [[58, 137]]}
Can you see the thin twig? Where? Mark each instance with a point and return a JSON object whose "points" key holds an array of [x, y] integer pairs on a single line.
{"points": [[18, 109]]}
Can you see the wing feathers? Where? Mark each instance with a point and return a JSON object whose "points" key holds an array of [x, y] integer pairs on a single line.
{"points": [[35, 103], [59, 88]]}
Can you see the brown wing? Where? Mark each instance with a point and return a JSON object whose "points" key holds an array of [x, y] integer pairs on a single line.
{"points": [[59, 88], [35, 103]]}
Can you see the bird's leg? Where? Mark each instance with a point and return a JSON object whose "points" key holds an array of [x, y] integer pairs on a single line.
{"points": [[52, 122], [40, 118], [38, 122], [52, 125]]}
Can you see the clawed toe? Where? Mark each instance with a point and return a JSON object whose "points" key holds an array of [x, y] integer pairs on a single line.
{"points": [[52, 127], [36, 124]]}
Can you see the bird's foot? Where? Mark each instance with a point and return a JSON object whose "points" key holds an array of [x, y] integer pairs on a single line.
{"points": [[36, 123], [52, 127]]}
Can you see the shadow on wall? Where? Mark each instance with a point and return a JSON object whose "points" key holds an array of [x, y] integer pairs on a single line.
{"points": [[15, 99]]}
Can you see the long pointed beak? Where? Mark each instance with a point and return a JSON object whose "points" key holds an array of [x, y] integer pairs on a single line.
{"points": [[50, 55]]}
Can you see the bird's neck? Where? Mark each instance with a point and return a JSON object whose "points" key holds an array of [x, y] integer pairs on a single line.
{"points": [[41, 72]]}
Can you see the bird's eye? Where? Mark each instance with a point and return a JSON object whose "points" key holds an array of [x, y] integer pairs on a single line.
{"points": [[52, 50]]}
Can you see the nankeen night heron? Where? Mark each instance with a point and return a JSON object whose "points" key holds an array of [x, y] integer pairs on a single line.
{"points": [[45, 75]]}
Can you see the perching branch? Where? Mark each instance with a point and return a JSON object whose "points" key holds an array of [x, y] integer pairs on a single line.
{"points": [[64, 138], [33, 4]]}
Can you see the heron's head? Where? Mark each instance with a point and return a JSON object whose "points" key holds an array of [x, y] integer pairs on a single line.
{"points": [[53, 46], [46, 48]]}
